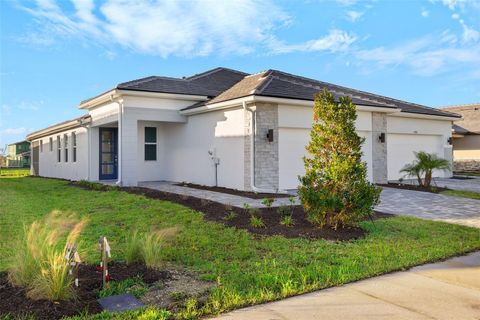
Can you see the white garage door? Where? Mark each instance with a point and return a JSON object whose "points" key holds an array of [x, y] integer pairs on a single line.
{"points": [[291, 145], [401, 148]]}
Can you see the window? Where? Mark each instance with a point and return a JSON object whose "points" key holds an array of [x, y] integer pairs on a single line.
{"points": [[59, 149], [41, 145], [51, 144], [74, 147], [65, 146], [150, 143]]}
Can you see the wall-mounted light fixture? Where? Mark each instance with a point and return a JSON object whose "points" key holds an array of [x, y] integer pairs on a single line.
{"points": [[450, 140], [381, 137], [270, 135]]}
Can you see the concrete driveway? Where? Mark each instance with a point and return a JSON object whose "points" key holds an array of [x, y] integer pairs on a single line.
{"points": [[463, 183], [446, 290]]}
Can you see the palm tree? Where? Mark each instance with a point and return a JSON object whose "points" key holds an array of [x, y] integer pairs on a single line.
{"points": [[424, 164]]}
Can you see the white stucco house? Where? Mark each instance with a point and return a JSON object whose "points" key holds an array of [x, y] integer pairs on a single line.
{"points": [[226, 127]]}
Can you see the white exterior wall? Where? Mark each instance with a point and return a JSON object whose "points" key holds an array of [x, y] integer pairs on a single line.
{"points": [[187, 146], [48, 165], [408, 135], [294, 134]]}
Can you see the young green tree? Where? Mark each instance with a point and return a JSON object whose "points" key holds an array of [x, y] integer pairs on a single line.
{"points": [[334, 190]]}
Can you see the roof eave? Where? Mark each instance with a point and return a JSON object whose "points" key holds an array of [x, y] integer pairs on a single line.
{"points": [[260, 98], [71, 124]]}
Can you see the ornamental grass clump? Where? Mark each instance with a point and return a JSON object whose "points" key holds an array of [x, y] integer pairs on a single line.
{"points": [[39, 263], [147, 248], [334, 191]]}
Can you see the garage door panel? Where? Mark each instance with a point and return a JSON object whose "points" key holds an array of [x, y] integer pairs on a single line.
{"points": [[292, 143], [401, 150]]}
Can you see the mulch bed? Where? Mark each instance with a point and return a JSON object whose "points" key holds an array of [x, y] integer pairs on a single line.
{"points": [[432, 189], [248, 194], [13, 300], [218, 212]]}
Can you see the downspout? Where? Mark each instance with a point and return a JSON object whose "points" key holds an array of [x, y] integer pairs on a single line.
{"points": [[252, 152], [119, 138]]}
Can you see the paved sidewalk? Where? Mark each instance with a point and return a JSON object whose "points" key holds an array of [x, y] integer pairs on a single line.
{"points": [[428, 205], [446, 290]]}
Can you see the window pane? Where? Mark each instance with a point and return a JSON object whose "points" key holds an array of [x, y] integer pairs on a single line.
{"points": [[107, 147], [107, 135], [107, 169], [74, 154], [150, 152], [150, 134], [107, 158]]}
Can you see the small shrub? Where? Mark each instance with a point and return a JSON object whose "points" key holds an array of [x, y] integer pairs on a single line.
{"points": [[267, 202], [284, 211], [230, 215], [95, 185], [287, 221], [292, 201], [256, 222], [246, 207]]}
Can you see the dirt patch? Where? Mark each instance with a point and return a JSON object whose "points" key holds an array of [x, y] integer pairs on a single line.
{"points": [[180, 286], [214, 211], [247, 194], [413, 187], [13, 300]]}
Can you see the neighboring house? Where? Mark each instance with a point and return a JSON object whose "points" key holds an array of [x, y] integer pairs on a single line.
{"points": [[466, 137], [226, 127], [18, 155]]}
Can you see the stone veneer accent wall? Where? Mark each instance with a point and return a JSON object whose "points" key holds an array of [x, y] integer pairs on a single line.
{"points": [[379, 149], [266, 153], [466, 165]]}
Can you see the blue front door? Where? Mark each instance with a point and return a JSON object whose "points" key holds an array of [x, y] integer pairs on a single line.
{"points": [[108, 154]]}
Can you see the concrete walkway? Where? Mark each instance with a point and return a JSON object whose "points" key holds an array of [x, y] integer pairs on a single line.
{"points": [[397, 201], [433, 206], [224, 198], [446, 290]]}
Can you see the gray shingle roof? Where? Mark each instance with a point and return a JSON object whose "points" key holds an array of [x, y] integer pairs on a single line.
{"points": [[210, 83], [470, 123], [274, 83]]}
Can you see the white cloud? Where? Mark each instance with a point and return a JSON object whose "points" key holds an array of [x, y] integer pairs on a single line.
{"points": [[425, 13], [455, 16], [346, 2], [335, 41], [182, 28], [424, 56], [353, 16], [469, 34]]}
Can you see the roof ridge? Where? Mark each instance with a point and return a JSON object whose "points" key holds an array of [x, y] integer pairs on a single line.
{"points": [[364, 92], [136, 81], [327, 85], [264, 81], [205, 73]]}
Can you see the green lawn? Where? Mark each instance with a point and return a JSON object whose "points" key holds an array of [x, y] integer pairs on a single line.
{"points": [[248, 270], [463, 194], [468, 173]]}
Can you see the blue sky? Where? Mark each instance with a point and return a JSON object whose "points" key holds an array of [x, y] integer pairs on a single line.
{"points": [[54, 54]]}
